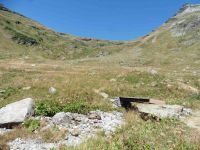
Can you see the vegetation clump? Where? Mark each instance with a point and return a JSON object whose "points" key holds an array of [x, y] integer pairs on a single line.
{"points": [[50, 108], [32, 124], [5, 93], [24, 39]]}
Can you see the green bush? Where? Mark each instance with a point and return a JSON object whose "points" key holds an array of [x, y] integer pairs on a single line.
{"points": [[24, 39], [21, 38], [47, 108], [31, 124], [50, 108], [77, 107], [5, 93]]}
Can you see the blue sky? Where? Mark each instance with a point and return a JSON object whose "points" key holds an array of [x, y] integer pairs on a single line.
{"points": [[103, 19]]}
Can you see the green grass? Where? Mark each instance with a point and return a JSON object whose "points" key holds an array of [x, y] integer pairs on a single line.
{"points": [[5, 93], [31, 124], [77, 67]]}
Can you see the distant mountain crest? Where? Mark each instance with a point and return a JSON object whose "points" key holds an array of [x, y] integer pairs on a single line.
{"points": [[189, 8]]}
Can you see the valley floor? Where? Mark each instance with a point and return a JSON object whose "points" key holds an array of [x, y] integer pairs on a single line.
{"points": [[76, 81]]}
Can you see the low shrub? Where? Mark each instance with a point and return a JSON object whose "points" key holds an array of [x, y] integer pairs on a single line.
{"points": [[31, 124], [5, 93], [47, 108], [50, 108], [77, 107], [24, 39]]}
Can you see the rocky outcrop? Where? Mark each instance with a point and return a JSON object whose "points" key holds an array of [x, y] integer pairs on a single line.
{"points": [[149, 111], [188, 8], [116, 102], [16, 113], [79, 129]]}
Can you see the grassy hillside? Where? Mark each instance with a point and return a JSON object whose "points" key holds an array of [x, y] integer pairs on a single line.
{"points": [[175, 45], [21, 37], [34, 58]]}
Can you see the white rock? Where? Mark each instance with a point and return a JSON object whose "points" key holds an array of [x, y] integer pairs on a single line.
{"points": [[52, 90], [16, 112], [113, 80], [153, 72], [26, 88], [104, 95], [163, 111], [116, 102]]}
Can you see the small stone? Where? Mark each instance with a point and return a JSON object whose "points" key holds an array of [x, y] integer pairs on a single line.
{"points": [[26, 88], [169, 85], [104, 95], [153, 72], [162, 111], [75, 132], [52, 90], [113, 80], [94, 116]]}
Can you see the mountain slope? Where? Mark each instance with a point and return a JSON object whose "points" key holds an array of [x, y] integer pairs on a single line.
{"points": [[174, 46], [87, 73], [22, 37]]}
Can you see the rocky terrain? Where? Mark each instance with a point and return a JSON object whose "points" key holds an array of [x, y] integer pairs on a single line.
{"points": [[77, 128], [72, 82]]}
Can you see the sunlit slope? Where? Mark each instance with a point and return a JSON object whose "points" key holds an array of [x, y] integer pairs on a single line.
{"points": [[21, 37], [175, 45]]}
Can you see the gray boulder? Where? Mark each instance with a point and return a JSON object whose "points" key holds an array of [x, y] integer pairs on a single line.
{"points": [[61, 118], [162, 111], [16, 113], [116, 102]]}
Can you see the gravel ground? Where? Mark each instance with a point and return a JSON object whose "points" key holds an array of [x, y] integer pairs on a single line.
{"points": [[80, 127]]}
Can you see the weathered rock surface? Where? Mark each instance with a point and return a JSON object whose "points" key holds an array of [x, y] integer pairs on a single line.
{"points": [[116, 102], [163, 111], [79, 128], [17, 112], [61, 118], [21, 144]]}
